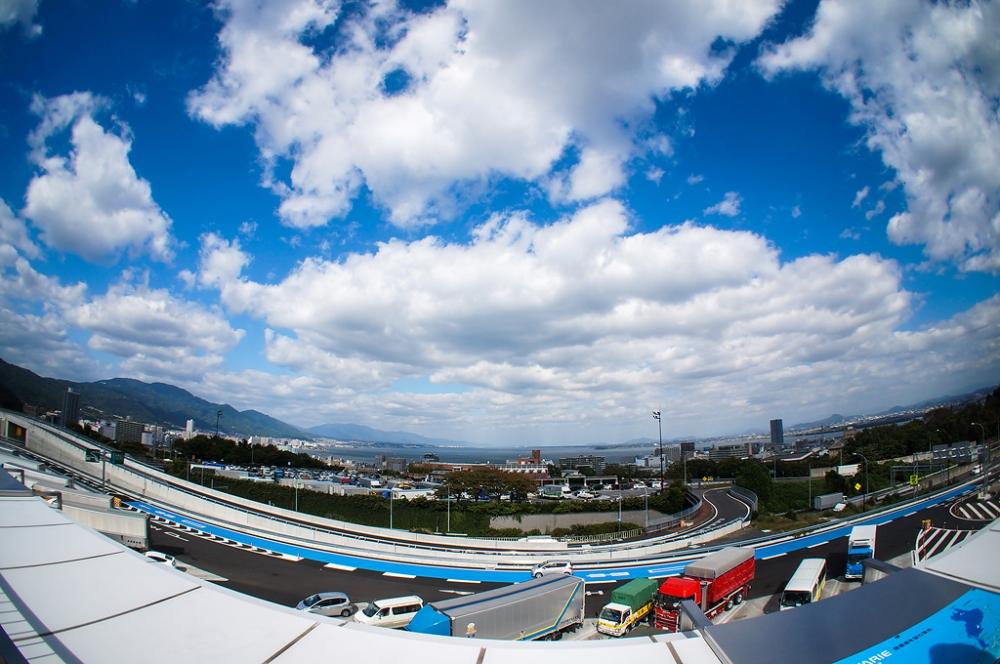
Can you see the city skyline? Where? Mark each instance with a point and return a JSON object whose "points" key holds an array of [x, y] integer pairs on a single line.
{"points": [[502, 222]]}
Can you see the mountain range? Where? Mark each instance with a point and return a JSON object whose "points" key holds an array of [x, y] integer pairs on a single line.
{"points": [[359, 432], [151, 403]]}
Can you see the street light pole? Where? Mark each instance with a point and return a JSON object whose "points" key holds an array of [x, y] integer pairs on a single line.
{"points": [[645, 495], [659, 429], [984, 471], [619, 511], [864, 498], [390, 508], [218, 414], [448, 527]]}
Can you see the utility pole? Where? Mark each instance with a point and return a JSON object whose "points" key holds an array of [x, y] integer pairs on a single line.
{"points": [[218, 415], [659, 429]]}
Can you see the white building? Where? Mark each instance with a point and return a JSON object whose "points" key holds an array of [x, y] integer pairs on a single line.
{"points": [[189, 430]]}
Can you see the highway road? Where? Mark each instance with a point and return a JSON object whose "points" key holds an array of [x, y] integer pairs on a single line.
{"points": [[286, 582]]}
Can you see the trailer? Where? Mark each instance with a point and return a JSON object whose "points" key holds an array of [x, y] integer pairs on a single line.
{"points": [[629, 605], [860, 546], [542, 608], [716, 583], [827, 500]]}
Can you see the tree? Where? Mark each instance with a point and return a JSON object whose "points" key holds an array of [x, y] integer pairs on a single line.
{"points": [[752, 475]]}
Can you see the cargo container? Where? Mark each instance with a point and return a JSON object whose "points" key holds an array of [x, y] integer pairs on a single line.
{"points": [[542, 608], [827, 500], [629, 605], [716, 583]]}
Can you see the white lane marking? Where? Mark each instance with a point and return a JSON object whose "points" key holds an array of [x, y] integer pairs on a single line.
{"points": [[455, 592], [399, 576], [910, 513], [965, 515], [343, 568], [813, 546], [777, 555], [975, 510], [596, 583], [461, 581], [993, 509], [619, 574], [172, 534]]}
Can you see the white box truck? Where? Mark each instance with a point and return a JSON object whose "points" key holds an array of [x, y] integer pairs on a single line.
{"points": [[860, 546]]}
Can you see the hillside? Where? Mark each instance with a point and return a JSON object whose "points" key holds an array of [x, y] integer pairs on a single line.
{"points": [[359, 432], [151, 403]]}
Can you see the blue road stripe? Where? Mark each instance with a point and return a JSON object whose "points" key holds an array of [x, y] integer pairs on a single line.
{"points": [[511, 576]]}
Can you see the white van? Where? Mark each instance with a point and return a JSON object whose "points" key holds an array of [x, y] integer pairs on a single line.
{"points": [[394, 612]]}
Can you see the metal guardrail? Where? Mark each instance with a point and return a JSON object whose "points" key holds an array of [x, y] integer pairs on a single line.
{"points": [[747, 496]]}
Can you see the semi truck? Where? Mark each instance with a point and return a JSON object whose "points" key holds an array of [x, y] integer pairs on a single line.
{"points": [[629, 605], [716, 583], [860, 546], [543, 608]]}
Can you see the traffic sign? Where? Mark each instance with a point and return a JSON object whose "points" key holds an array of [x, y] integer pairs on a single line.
{"points": [[914, 480], [117, 458], [92, 455], [857, 486]]}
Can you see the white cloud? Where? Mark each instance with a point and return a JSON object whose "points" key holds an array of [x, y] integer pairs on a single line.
{"points": [[922, 79], [90, 202], [695, 179], [15, 233], [655, 174], [583, 323], [490, 89], [20, 11], [156, 334], [850, 234], [729, 206], [875, 211], [860, 196], [796, 212]]}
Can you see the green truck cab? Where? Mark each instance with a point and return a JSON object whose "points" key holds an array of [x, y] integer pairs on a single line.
{"points": [[629, 605]]}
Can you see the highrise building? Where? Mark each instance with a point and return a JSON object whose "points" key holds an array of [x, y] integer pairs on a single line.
{"points": [[189, 430], [777, 433], [71, 408]]}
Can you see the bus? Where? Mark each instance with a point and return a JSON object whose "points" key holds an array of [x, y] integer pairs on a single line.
{"points": [[806, 585]]}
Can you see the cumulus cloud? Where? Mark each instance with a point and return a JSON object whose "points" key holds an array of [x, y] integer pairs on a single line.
{"points": [[695, 179], [923, 79], [90, 202], [21, 12], [860, 196], [530, 326], [417, 106], [729, 206], [155, 333], [796, 212], [14, 232], [875, 211]]}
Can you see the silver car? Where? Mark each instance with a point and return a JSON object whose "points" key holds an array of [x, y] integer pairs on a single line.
{"points": [[552, 567], [327, 604]]}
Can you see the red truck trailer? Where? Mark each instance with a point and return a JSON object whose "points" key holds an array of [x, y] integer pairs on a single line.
{"points": [[716, 583]]}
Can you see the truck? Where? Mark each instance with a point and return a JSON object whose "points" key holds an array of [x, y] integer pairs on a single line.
{"points": [[629, 605], [860, 546], [715, 583], [555, 491], [827, 501], [542, 608]]}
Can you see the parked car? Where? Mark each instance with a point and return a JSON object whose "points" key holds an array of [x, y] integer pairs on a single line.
{"points": [[394, 612], [552, 567], [161, 558], [327, 604], [584, 495]]}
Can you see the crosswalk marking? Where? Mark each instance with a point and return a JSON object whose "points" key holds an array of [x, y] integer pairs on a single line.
{"points": [[934, 541], [977, 510]]}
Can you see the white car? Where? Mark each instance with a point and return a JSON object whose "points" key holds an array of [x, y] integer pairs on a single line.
{"points": [[552, 567], [161, 558], [584, 495], [395, 612]]}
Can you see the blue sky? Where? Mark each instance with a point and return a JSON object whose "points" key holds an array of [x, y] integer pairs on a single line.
{"points": [[503, 223]]}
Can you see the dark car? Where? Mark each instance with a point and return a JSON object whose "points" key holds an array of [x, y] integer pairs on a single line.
{"points": [[327, 604]]}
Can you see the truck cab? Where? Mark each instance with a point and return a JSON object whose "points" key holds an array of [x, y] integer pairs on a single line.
{"points": [[614, 619], [675, 590], [860, 547]]}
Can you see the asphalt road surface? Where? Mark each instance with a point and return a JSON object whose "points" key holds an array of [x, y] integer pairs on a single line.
{"points": [[286, 582]]}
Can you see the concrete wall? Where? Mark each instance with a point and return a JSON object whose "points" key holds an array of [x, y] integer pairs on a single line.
{"points": [[546, 523], [129, 528]]}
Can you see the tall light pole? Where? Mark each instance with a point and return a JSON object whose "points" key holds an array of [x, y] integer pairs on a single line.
{"points": [[619, 511], [864, 498], [218, 415], [659, 429], [448, 526], [390, 509], [645, 496], [984, 471]]}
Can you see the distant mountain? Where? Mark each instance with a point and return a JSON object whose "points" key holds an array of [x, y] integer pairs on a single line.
{"points": [[359, 432], [833, 420], [151, 403]]}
